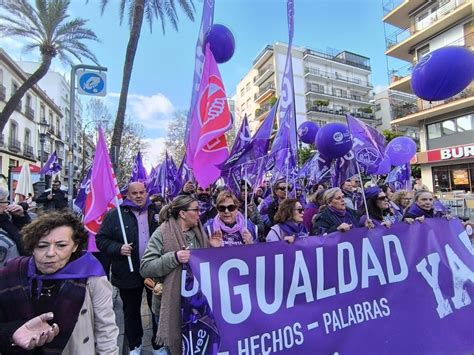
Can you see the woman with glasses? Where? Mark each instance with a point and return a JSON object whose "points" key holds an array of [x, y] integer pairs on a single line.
{"points": [[289, 219], [270, 204], [335, 216], [378, 207], [229, 224], [169, 248], [400, 201]]}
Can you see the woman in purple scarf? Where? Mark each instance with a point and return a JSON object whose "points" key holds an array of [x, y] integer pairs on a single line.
{"points": [[378, 207], [57, 301], [289, 219], [229, 224], [335, 216], [422, 207]]}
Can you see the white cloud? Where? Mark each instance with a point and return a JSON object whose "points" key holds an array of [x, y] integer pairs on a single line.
{"points": [[152, 155], [153, 111]]}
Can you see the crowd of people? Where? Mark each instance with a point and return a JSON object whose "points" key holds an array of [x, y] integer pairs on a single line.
{"points": [[55, 297]]}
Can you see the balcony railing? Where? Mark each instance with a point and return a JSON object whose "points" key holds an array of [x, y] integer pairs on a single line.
{"points": [[14, 145], [342, 95], [3, 92], [265, 89], [404, 110], [402, 34], [343, 57], [30, 113], [51, 130], [335, 76], [331, 111], [28, 150], [266, 69]]}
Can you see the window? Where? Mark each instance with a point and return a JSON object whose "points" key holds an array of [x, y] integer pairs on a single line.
{"points": [[13, 130], [1, 77], [456, 125], [378, 107], [434, 130], [247, 87], [14, 87], [421, 52], [28, 100], [42, 113], [242, 92], [50, 119], [448, 127], [27, 140], [464, 123]]}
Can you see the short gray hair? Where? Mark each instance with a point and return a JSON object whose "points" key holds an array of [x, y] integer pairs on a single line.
{"points": [[4, 193]]}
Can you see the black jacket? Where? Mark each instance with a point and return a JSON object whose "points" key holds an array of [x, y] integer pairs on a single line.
{"points": [[327, 221], [58, 202], [12, 225], [109, 240]]}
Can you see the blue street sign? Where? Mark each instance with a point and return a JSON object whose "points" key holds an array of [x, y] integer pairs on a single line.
{"points": [[92, 83]]}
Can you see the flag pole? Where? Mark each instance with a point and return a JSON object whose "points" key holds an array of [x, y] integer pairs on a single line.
{"points": [[287, 173], [124, 235], [362, 189], [246, 197]]}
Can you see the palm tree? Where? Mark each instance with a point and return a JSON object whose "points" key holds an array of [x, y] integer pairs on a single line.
{"points": [[137, 9], [48, 28]]}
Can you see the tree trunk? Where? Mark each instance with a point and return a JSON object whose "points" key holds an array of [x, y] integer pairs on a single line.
{"points": [[138, 11], [28, 84]]}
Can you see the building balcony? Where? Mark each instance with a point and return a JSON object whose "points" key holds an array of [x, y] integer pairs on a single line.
{"points": [[14, 145], [44, 158], [268, 90], [325, 111], [312, 72], [342, 57], [263, 55], [29, 113], [3, 92], [400, 43], [28, 151], [51, 130], [425, 110], [316, 91], [263, 74], [397, 12], [262, 112]]}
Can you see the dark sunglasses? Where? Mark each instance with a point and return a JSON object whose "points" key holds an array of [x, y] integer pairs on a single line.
{"points": [[300, 210], [230, 208], [282, 188], [382, 198], [192, 209]]}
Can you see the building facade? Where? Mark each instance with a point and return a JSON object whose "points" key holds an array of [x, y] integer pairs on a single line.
{"points": [[328, 84], [20, 139], [58, 89], [446, 127]]}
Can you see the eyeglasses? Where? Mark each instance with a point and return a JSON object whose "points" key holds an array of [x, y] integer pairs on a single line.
{"points": [[230, 208], [282, 188], [4, 202], [300, 210], [192, 209], [382, 198]]}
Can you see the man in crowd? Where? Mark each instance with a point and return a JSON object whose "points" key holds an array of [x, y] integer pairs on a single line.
{"points": [[55, 199], [348, 191], [140, 222]]}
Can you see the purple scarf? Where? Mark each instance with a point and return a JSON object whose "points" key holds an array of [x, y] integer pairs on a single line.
{"points": [[293, 228], [417, 211], [134, 206], [339, 213], [82, 268], [239, 225]]}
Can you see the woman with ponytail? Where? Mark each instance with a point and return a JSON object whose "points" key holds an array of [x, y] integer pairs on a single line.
{"points": [[169, 247]]}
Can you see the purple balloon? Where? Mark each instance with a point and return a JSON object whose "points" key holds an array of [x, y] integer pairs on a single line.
{"points": [[400, 150], [443, 73], [222, 42], [307, 132], [334, 140]]}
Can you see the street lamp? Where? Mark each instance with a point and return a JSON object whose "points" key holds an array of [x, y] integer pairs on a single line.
{"points": [[43, 127]]}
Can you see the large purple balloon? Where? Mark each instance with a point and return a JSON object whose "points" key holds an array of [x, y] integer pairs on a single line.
{"points": [[222, 42], [443, 73], [333, 140], [307, 132], [400, 150], [384, 166]]}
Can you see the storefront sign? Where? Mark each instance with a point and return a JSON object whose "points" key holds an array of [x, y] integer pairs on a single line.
{"points": [[450, 153]]}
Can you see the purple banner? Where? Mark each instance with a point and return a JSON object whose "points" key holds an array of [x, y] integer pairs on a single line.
{"points": [[403, 290]]}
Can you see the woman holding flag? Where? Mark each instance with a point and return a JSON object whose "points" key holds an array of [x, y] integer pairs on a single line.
{"points": [[378, 207]]}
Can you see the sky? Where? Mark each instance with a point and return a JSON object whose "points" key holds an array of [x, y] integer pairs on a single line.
{"points": [[164, 63]]}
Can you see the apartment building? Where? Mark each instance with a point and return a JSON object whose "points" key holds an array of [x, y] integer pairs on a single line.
{"points": [[20, 139], [56, 85], [416, 28], [328, 84]]}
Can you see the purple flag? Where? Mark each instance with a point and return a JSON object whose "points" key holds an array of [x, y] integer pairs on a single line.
{"points": [[52, 166], [84, 190], [367, 143], [207, 20], [399, 177], [243, 137], [403, 290], [138, 172], [287, 102], [317, 169], [344, 168]]}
